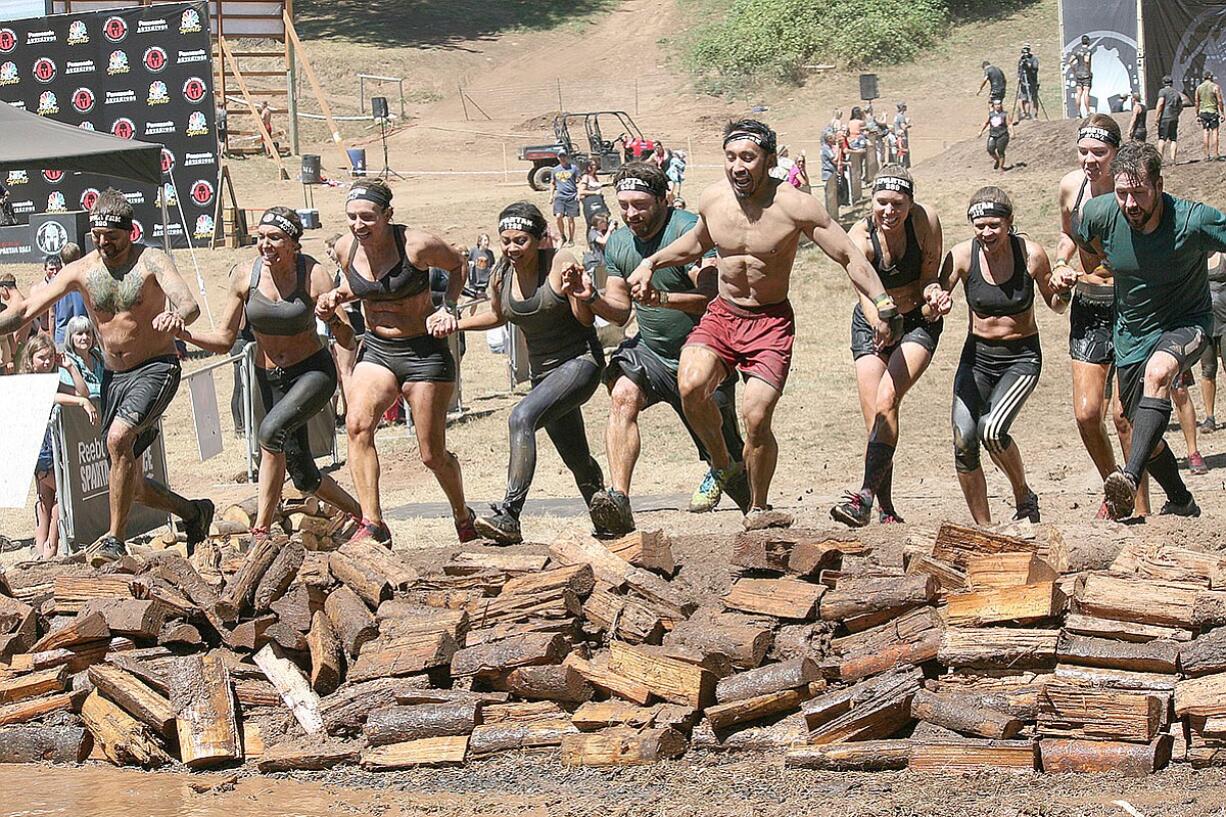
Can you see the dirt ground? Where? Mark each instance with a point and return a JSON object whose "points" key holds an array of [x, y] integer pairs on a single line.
{"points": [[455, 186]]}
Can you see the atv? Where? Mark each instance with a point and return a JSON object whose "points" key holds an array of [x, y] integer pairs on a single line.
{"points": [[609, 154]]}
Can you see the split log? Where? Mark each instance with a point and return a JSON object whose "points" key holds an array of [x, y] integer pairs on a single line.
{"points": [[485, 583], [1166, 562], [969, 756], [33, 684], [72, 592], [861, 756], [669, 603], [294, 688], [299, 605], [326, 657], [1020, 701], [861, 603], [998, 648], [80, 630], [445, 751], [18, 626], [492, 738], [370, 585], [622, 746], [76, 659], [723, 716], [1142, 601], [1061, 756], [241, 589], [714, 662], [872, 709], [346, 710], [401, 615], [1202, 696], [568, 628], [253, 692], [784, 734], [948, 575], [573, 549], [576, 578], [958, 543], [520, 651], [398, 724], [351, 619], [797, 673], [594, 715], [179, 635], [249, 635], [811, 555], [243, 512], [780, 598], [123, 739], [375, 557], [43, 744], [668, 678], [1067, 711], [622, 617], [1206, 655], [1007, 570], [510, 563], [1023, 604], [908, 640], [522, 712], [29, 709], [179, 573], [287, 638], [148, 675], [554, 682], [135, 618], [410, 697], [650, 550], [599, 675], [952, 712], [1155, 683], [307, 754], [1080, 624], [558, 603], [745, 645], [134, 697], [1153, 656], [207, 722], [279, 575], [403, 654]]}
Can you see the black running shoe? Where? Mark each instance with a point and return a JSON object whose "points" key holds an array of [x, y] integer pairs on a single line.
{"points": [[1120, 494], [855, 511], [1189, 508], [197, 529], [500, 527], [108, 549], [611, 513], [1028, 508], [736, 486]]}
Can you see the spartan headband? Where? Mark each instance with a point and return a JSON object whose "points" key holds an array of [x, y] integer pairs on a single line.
{"points": [[369, 194], [281, 223], [767, 143], [637, 185], [110, 221], [894, 183], [1101, 134], [526, 225], [988, 209]]}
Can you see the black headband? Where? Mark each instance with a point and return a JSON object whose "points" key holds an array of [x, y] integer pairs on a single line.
{"points": [[110, 221], [281, 223], [767, 142], [369, 194], [1101, 134], [637, 185], [988, 209], [522, 223], [894, 183]]}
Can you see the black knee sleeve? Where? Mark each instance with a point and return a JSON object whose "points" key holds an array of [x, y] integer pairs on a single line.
{"points": [[966, 450], [271, 437], [302, 470]]}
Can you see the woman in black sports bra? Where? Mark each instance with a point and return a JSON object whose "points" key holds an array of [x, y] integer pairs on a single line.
{"points": [[902, 240], [294, 373], [404, 352], [1001, 359]]}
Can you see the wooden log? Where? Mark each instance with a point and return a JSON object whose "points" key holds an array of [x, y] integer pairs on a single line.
{"points": [[279, 575], [123, 739], [410, 697], [207, 722], [76, 658], [714, 662], [1205, 695], [443, 751], [1023, 604], [28, 709], [370, 585], [72, 592], [249, 635], [667, 678], [299, 605], [1209, 609], [398, 724], [725, 715], [1142, 601], [872, 709], [293, 686], [1060, 756], [622, 746], [179, 635], [573, 549], [958, 543], [522, 712], [948, 575], [861, 756], [622, 617], [576, 578], [30, 743], [493, 738], [346, 710], [1007, 570], [554, 682], [148, 674], [513, 564], [1067, 711], [998, 648], [744, 644], [80, 630], [797, 673], [783, 734], [307, 754], [399, 614], [135, 618], [1155, 683], [782, 598], [1080, 624], [666, 598], [970, 756], [33, 684], [1152, 656], [519, 651], [965, 716], [241, 589], [1206, 655], [133, 696], [327, 665], [18, 626], [484, 584], [351, 619], [599, 675], [558, 603], [390, 565], [403, 654], [909, 640], [813, 554], [650, 550], [594, 715], [1167, 562], [861, 603], [179, 573], [242, 512]]}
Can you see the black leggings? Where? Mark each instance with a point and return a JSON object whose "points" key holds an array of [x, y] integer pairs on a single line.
{"points": [[291, 398], [554, 403], [994, 379]]}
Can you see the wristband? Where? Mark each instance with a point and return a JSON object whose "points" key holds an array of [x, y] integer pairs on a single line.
{"points": [[452, 307], [592, 298], [663, 297], [886, 308]]}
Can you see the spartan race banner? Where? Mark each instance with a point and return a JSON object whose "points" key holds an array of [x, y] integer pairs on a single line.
{"points": [[141, 73], [1183, 38], [1111, 26]]}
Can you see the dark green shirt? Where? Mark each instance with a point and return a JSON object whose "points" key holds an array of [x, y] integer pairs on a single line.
{"points": [[1161, 279], [664, 330]]}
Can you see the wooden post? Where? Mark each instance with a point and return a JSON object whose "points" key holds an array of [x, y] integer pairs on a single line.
{"points": [[255, 113], [857, 176], [300, 51], [560, 106], [832, 196], [460, 89], [506, 171]]}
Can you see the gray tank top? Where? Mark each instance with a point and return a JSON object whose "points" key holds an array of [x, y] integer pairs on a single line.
{"points": [[553, 333], [290, 316]]}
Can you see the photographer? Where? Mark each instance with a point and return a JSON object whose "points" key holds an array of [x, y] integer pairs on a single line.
{"points": [[1028, 83]]}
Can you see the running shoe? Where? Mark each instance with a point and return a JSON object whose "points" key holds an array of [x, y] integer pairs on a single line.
{"points": [[1189, 508], [107, 549], [1028, 508], [855, 511], [1208, 425], [611, 513], [1120, 494], [890, 517], [1196, 464], [706, 497], [376, 532], [259, 534], [466, 531], [768, 517], [500, 527], [1103, 513], [735, 482], [197, 529]]}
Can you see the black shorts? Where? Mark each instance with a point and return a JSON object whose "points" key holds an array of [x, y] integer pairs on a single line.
{"points": [[1185, 344], [139, 397], [1089, 337], [1209, 121], [1140, 135], [1168, 130], [641, 365], [995, 96], [356, 320], [1208, 361], [915, 329], [419, 359], [1084, 82], [997, 144]]}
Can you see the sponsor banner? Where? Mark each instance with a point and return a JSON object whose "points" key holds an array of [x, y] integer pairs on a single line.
{"points": [[1183, 38]]}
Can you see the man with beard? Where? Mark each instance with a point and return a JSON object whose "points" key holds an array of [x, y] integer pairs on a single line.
{"points": [[1157, 247], [755, 222], [643, 370], [138, 302]]}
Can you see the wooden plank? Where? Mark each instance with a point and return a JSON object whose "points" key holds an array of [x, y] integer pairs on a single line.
{"points": [[667, 678], [1152, 656], [1015, 605], [973, 756], [1061, 756], [1073, 712], [1007, 570], [207, 722], [441, 751], [622, 746], [862, 603], [782, 598]]}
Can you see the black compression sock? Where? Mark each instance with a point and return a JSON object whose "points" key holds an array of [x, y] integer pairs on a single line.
{"points": [[885, 490], [1165, 470], [1152, 417], [878, 461]]}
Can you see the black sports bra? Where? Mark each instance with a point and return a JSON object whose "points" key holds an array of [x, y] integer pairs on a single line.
{"points": [[906, 269], [1012, 297], [402, 281], [289, 316], [1074, 218]]}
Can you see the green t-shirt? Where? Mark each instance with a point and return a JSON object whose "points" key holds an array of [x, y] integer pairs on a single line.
{"points": [[664, 330], [1206, 97], [1161, 279]]}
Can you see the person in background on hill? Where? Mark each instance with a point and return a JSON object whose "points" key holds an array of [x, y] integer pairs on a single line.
{"points": [[676, 175], [1138, 131], [643, 370], [1217, 349], [1157, 247], [1028, 83], [549, 297], [784, 165], [755, 222], [902, 240], [997, 127], [798, 176], [404, 354], [1170, 105], [836, 121], [902, 136], [1209, 114], [480, 266], [831, 157], [597, 238], [661, 157], [994, 80], [1001, 360], [565, 186], [8, 343], [1081, 63]]}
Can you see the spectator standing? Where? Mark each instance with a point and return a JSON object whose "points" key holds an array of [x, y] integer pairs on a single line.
{"points": [[783, 164], [222, 119], [1217, 348], [661, 157], [902, 136], [994, 81], [676, 173], [565, 187], [266, 118], [81, 365], [1209, 113], [8, 343], [590, 184], [1028, 83], [1137, 129], [480, 264], [597, 237], [1170, 105], [7, 217], [71, 305], [1080, 62]]}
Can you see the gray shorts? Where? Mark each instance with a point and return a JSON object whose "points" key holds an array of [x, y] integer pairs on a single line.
{"points": [[566, 207]]}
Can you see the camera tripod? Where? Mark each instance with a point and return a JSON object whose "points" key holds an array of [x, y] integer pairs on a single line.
{"points": [[1024, 83], [386, 172]]}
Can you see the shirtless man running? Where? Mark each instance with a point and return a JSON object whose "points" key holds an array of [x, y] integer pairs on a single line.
{"points": [[138, 302], [755, 222]]}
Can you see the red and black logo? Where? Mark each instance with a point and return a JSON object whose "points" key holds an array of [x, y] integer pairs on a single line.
{"points": [[83, 100], [115, 29], [53, 176], [168, 161], [138, 230], [89, 197], [124, 128], [202, 192], [194, 89], [8, 40], [44, 69], [155, 59]]}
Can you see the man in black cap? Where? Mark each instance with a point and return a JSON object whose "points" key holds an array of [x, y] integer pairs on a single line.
{"points": [[1080, 62], [1028, 83], [994, 78], [1170, 104]]}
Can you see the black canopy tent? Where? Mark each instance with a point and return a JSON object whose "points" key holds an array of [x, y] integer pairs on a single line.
{"points": [[32, 141]]}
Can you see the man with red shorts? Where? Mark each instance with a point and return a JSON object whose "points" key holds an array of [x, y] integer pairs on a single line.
{"points": [[755, 222]]}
